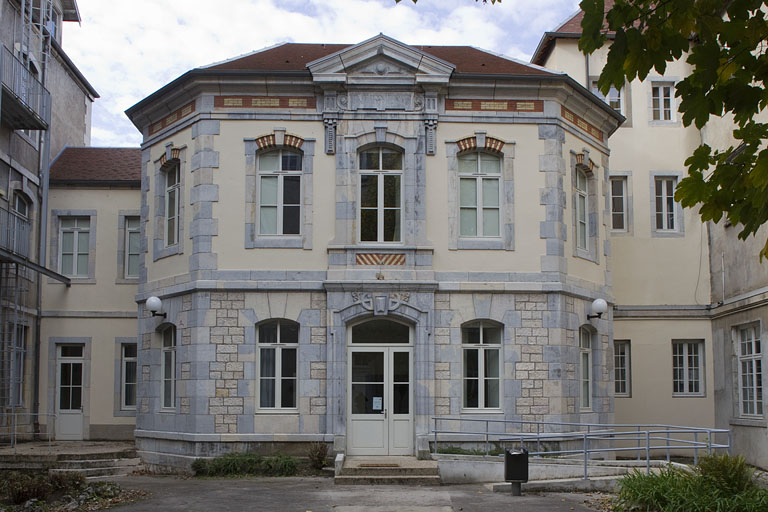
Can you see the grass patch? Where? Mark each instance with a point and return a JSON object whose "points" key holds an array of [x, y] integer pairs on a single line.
{"points": [[246, 464], [719, 483]]}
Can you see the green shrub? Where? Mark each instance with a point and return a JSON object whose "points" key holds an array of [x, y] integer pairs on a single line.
{"points": [[317, 454], [20, 488], [718, 483], [234, 464], [67, 481]]}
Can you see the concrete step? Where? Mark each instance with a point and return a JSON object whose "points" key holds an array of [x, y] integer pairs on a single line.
{"points": [[387, 480], [97, 463], [390, 471], [122, 454], [90, 473]]}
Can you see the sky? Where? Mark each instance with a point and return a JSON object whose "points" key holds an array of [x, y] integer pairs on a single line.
{"points": [[127, 49]]}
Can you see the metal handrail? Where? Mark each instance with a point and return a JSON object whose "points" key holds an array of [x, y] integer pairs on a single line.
{"points": [[15, 232], [23, 85], [13, 430], [649, 437]]}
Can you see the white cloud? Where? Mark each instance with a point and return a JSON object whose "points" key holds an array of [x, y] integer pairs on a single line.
{"points": [[129, 49]]}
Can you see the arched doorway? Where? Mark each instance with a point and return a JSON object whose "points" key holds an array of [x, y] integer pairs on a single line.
{"points": [[380, 389]]}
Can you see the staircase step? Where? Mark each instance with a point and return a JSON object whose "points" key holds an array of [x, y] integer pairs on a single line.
{"points": [[97, 463], [122, 454], [98, 472], [387, 480], [390, 471]]}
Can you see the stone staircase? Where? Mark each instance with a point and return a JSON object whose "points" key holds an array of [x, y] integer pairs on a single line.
{"points": [[91, 465], [387, 471]]}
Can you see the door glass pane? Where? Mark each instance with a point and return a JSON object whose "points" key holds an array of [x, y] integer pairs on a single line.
{"points": [[64, 398], [400, 399], [77, 374], [400, 369], [380, 331], [368, 367], [66, 375], [76, 398], [366, 396]]}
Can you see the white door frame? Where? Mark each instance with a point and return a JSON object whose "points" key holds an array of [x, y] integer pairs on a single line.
{"points": [[382, 433], [69, 422]]}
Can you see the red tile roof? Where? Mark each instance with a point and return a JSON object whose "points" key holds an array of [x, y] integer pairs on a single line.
{"points": [[573, 24], [296, 56], [87, 165]]}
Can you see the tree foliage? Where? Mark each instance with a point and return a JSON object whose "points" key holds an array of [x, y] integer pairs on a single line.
{"points": [[725, 44]]}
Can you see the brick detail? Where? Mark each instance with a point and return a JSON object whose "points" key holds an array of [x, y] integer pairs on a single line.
{"points": [[380, 259], [171, 118], [470, 143], [495, 105], [264, 102], [581, 123]]}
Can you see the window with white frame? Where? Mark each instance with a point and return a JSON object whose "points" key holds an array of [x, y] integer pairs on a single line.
{"points": [[169, 367], [662, 106], [687, 367], [74, 236], [278, 359], [621, 368], [19, 225], [172, 204], [619, 203], [613, 99], [666, 209], [128, 378], [279, 174], [481, 347], [582, 207], [381, 173], [479, 194], [585, 368], [750, 356], [132, 247], [12, 365]]}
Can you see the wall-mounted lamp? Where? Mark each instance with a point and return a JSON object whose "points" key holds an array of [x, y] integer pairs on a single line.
{"points": [[155, 305], [599, 306]]}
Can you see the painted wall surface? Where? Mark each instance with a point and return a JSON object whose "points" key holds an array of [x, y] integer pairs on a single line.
{"points": [[106, 291], [70, 109], [652, 399]]}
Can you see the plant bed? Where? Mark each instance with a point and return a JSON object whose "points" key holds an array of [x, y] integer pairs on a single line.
{"points": [[60, 492], [249, 464]]}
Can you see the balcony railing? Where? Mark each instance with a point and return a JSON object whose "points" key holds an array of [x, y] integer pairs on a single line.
{"points": [[26, 104], [15, 233]]}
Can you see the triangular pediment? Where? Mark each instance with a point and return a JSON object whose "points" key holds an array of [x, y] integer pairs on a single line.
{"points": [[383, 59]]}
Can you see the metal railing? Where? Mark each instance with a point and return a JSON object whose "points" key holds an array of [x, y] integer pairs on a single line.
{"points": [[15, 232], [584, 439], [16, 426], [23, 85]]}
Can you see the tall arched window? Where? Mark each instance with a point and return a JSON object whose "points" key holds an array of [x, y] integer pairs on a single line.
{"points": [[169, 367], [479, 194], [172, 202], [585, 368], [280, 192], [381, 173]]}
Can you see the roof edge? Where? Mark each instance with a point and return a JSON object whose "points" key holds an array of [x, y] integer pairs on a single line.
{"points": [[74, 69]]}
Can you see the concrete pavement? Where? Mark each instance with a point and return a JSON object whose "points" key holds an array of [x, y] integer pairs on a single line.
{"points": [[320, 494]]}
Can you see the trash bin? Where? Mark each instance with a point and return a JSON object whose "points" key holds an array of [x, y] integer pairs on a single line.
{"points": [[516, 465]]}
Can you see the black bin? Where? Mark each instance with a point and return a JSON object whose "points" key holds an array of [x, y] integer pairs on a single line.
{"points": [[516, 465]]}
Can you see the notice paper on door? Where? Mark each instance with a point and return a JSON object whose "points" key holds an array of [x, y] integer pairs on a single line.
{"points": [[377, 405]]}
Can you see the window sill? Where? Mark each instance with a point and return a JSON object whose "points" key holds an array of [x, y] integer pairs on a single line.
{"points": [[659, 122], [166, 251], [128, 280], [749, 422], [481, 411], [689, 395], [667, 233], [168, 410], [624, 395], [276, 242], [480, 244], [584, 255], [283, 412]]}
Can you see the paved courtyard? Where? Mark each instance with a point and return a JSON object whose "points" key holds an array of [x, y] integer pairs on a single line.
{"points": [[320, 494]]}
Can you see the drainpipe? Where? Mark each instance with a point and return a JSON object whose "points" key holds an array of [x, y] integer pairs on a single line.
{"points": [[586, 72]]}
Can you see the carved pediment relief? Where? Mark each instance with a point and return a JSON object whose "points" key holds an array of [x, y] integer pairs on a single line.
{"points": [[380, 67]]}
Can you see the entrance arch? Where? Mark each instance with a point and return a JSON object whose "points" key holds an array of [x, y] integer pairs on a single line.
{"points": [[380, 388]]}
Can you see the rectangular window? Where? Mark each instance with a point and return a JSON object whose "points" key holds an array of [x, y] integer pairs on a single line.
{"points": [[613, 99], [661, 98], [279, 192], [750, 355], [621, 365], [479, 179], [74, 242], [687, 367], [581, 209], [278, 359], [12, 364], [169, 367], [619, 204], [132, 248], [665, 203], [481, 344], [380, 195], [128, 376], [585, 368], [172, 206]]}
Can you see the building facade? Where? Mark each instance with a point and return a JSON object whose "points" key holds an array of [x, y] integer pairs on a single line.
{"points": [[46, 105], [350, 240]]}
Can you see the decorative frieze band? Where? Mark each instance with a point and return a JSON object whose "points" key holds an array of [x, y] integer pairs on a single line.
{"points": [[379, 259], [172, 118], [582, 123], [495, 105], [264, 102]]}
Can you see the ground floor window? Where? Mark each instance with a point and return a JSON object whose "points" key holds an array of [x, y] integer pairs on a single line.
{"points": [[481, 347], [687, 367], [169, 367], [585, 368], [750, 356], [128, 376], [278, 355], [621, 365]]}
